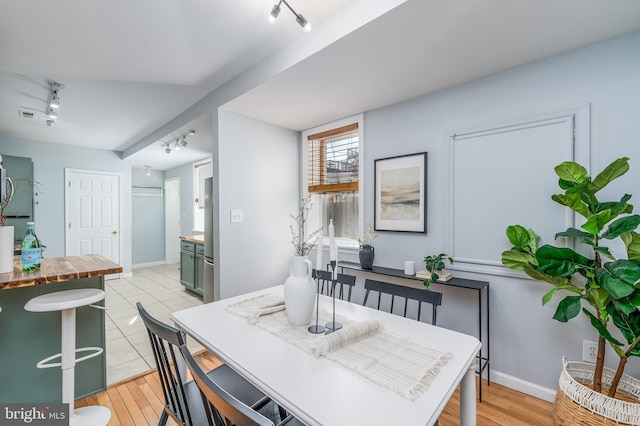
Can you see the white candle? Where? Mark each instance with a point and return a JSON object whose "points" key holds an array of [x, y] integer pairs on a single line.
{"points": [[332, 241], [319, 248]]}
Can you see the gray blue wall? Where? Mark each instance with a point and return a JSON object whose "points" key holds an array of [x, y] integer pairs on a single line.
{"points": [[49, 163], [527, 344]]}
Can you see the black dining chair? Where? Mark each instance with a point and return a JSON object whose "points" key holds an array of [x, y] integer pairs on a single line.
{"points": [[182, 400], [342, 280], [222, 408], [407, 293]]}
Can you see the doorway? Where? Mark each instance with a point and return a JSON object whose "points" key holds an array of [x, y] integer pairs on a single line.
{"points": [[172, 223], [92, 214]]}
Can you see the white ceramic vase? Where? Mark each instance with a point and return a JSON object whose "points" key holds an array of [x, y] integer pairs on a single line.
{"points": [[299, 291], [6, 249]]}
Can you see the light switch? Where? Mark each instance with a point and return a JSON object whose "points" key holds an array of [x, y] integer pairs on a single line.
{"points": [[237, 216]]}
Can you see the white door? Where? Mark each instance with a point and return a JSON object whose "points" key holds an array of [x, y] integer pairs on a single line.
{"points": [[172, 220], [92, 214]]}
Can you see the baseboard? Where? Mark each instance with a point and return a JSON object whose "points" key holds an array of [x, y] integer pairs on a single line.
{"points": [[144, 265], [523, 386]]}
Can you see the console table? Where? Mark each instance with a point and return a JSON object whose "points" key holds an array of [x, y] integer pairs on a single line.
{"points": [[479, 286]]}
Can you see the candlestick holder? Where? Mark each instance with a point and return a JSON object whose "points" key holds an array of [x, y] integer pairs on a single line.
{"points": [[317, 329], [333, 325]]}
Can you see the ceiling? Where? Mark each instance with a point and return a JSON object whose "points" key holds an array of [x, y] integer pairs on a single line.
{"points": [[129, 68]]}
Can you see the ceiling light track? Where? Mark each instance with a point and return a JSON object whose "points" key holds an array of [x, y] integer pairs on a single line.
{"points": [[306, 26], [177, 143], [53, 102]]}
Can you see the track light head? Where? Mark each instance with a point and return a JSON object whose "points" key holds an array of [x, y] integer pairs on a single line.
{"points": [[306, 26], [167, 150], [55, 100], [50, 122], [301, 20], [274, 13], [52, 113], [177, 145]]}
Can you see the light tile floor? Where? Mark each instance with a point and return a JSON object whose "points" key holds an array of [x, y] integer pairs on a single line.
{"points": [[128, 349]]}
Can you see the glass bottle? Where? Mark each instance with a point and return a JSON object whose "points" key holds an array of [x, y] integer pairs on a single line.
{"points": [[31, 251]]}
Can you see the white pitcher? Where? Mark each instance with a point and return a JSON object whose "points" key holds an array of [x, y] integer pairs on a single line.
{"points": [[299, 291]]}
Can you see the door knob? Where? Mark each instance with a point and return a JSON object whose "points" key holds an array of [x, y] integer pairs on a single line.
{"points": [[114, 232]]}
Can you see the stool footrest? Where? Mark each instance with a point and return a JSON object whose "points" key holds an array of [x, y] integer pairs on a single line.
{"points": [[43, 363]]}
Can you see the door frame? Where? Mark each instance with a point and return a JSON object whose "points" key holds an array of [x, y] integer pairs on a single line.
{"points": [[67, 242], [166, 226]]}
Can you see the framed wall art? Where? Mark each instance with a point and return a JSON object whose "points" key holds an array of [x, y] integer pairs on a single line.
{"points": [[400, 193]]}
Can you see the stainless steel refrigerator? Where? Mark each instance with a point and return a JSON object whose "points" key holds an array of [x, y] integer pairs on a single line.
{"points": [[209, 264]]}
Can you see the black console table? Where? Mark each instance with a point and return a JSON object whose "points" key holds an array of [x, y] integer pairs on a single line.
{"points": [[479, 286]]}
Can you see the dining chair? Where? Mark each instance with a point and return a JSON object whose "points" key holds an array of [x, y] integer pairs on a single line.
{"points": [[222, 408], [342, 280], [182, 400], [407, 293]]}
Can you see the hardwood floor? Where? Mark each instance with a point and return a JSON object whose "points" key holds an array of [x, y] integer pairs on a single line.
{"points": [[138, 401]]}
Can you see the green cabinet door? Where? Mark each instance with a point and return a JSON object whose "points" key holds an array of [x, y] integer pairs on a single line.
{"points": [[187, 265]]}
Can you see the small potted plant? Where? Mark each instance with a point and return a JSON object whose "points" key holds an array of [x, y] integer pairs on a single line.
{"points": [[434, 265], [367, 252]]}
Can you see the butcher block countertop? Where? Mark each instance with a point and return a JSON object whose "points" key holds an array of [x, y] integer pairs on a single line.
{"points": [[198, 239], [58, 269]]}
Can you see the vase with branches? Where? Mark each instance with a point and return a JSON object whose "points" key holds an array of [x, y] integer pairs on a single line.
{"points": [[303, 243]]}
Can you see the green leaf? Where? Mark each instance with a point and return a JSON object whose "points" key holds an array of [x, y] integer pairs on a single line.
{"points": [[573, 201], [602, 328], [628, 324], [623, 305], [517, 259], [583, 237], [560, 261], [596, 223], [618, 278], [611, 172], [622, 225], [519, 236], [571, 172], [568, 308], [632, 243], [605, 252], [555, 281]]}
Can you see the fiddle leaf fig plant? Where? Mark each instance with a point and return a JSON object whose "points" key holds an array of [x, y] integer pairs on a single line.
{"points": [[602, 287]]}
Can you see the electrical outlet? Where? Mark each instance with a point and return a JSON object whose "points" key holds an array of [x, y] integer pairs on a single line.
{"points": [[589, 351], [237, 216]]}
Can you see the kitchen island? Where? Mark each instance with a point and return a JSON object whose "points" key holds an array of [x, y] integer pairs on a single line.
{"points": [[28, 337]]}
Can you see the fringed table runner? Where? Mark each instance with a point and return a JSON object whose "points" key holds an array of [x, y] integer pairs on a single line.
{"points": [[398, 363]]}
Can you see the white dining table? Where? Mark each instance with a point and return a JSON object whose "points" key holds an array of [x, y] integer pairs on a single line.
{"points": [[319, 391]]}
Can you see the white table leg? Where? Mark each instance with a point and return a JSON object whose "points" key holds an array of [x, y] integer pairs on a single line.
{"points": [[468, 398]]}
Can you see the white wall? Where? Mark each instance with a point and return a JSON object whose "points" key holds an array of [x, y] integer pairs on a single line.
{"points": [[49, 162], [257, 171], [526, 343]]}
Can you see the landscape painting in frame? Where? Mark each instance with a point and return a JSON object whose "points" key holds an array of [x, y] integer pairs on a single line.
{"points": [[400, 193]]}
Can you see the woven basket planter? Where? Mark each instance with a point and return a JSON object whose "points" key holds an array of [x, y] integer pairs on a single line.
{"points": [[577, 404]]}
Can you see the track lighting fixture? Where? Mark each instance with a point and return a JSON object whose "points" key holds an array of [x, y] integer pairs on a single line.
{"points": [[177, 143], [306, 26], [53, 101]]}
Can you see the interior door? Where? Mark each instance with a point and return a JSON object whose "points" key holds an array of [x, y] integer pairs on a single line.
{"points": [[92, 213]]}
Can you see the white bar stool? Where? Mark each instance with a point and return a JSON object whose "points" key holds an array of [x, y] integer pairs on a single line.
{"points": [[67, 301]]}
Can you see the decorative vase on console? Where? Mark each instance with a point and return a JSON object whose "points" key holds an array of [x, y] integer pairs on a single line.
{"points": [[367, 253], [299, 291]]}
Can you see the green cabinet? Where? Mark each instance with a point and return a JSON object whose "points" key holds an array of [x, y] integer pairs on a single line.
{"points": [[192, 266]]}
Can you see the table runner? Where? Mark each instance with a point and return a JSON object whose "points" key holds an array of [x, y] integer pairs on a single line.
{"points": [[403, 365]]}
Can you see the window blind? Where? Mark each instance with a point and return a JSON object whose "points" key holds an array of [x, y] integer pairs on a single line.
{"points": [[333, 160]]}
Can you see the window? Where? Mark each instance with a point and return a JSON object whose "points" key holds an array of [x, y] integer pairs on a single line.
{"points": [[333, 178]]}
